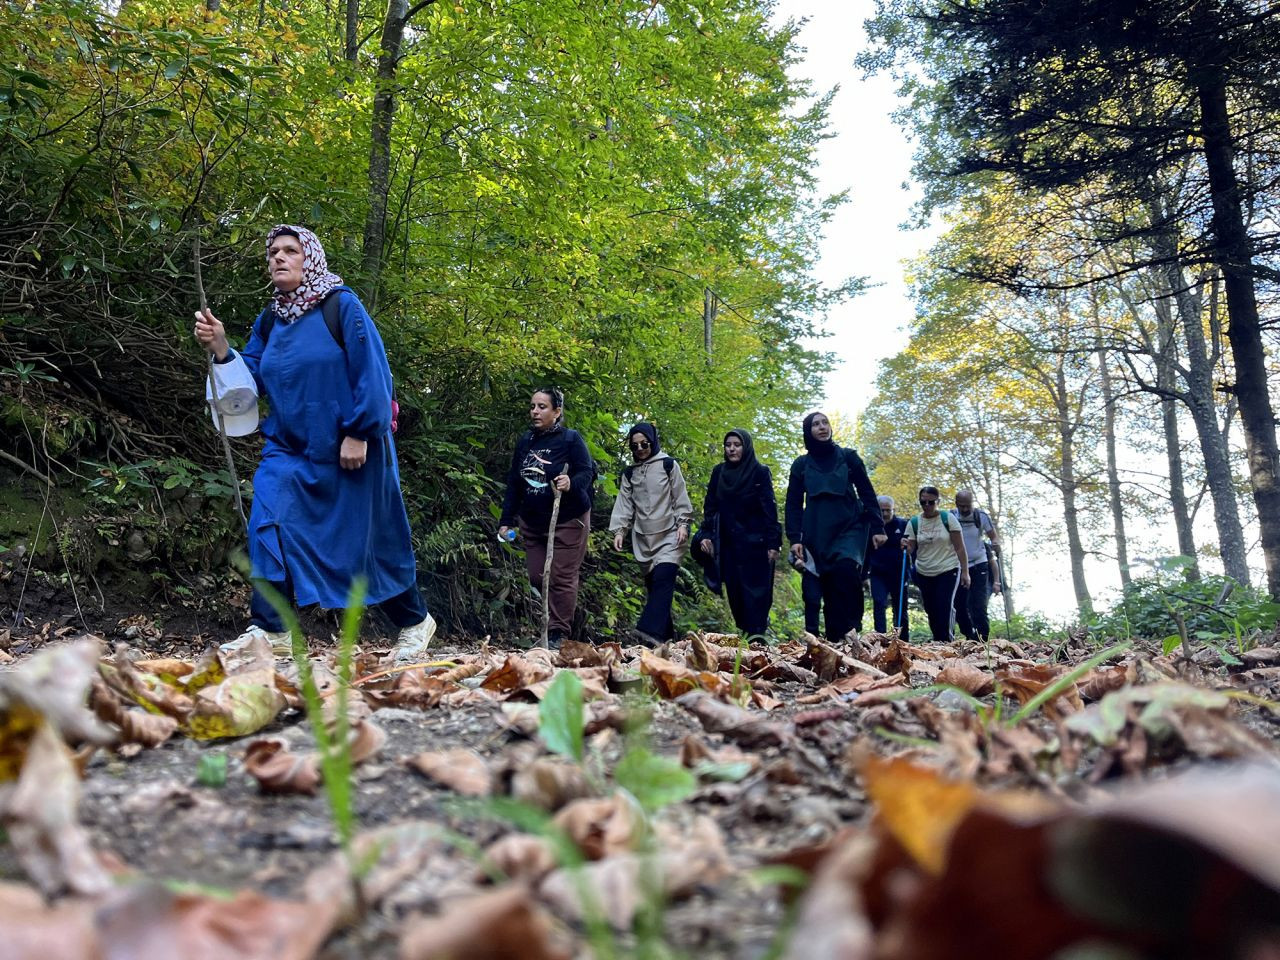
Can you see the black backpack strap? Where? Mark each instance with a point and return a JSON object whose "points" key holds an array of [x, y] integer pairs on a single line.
{"points": [[331, 319], [266, 320], [328, 307], [668, 465]]}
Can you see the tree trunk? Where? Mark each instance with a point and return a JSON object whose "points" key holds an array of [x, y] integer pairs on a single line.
{"points": [[1165, 379], [1067, 486], [399, 13], [1198, 397], [1113, 471], [1234, 256], [352, 31]]}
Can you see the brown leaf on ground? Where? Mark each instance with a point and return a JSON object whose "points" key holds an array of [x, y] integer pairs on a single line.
{"points": [[1100, 681], [463, 671], [147, 920], [166, 668], [860, 683], [135, 724], [971, 679], [500, 925], [574, 653], [521, 857], [824, 660], [765, 702], [39, 814], [594, 680], [1131, 873], [365, 740], [832, 914], [615, 887], [516, 673], [277, 770], [413, 690], [52, 686], [241, 704], [600, 827], [735, 722], [1025, 682], [462, 771], [549, 783], [695, 751], [390, 859], [672, 680]]}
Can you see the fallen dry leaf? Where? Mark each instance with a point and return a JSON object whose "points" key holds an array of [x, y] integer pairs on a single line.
{"points": [[135, 724], [1025, 682], [600, 827], [518, 856], [549, 783], [277, 770], [1100, 681], [735, 722], [516, 673], [616, 887], [500, 925], [971, 679], [671, 680], [462, 771], [145, 920]]}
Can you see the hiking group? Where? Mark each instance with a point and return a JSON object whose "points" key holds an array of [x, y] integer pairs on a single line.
{"points": [[327, 507]]}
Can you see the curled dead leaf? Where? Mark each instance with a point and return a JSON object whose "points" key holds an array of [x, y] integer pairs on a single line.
{"points": [[135, 724], [1026, 681], [735, 722], [517, 673], [548, 783], [462, 771], [971, 679], [521, 857], [277, 770], [600, 827], [499, 925]]}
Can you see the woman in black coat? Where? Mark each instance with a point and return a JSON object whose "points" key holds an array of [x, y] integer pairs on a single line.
{"points": [[741, 533]]}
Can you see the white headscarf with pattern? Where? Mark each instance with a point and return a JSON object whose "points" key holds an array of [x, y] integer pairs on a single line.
{"points": [[317, 281]]}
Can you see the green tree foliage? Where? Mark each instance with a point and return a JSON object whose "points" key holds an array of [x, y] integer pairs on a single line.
{"points": [[565, 180], [1116, 99]]}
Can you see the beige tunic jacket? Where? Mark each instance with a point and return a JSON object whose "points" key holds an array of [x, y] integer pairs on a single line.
{"points": [[653, 504]]}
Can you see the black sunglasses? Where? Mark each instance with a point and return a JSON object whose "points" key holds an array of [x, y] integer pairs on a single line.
{"points": [[927, 503], [639, 444]]}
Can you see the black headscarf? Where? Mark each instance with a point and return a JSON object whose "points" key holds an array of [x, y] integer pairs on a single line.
{"points": [[822, 452], [651, 434], [736, 477]]}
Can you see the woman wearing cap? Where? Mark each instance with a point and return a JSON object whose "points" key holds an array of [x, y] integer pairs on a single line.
{"points": [[550, 457], [831, 513], [327, 507], [653, 502], [742, 510]]}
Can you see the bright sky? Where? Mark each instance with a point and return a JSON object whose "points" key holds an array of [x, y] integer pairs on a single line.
{"points": [[871, 157]]}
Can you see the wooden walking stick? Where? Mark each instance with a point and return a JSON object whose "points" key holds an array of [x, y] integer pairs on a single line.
{"points": [[546, 564], [213, 386]]}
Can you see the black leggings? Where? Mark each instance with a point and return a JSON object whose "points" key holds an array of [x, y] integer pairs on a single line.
{"points": [[841, 598], [937, 594]]}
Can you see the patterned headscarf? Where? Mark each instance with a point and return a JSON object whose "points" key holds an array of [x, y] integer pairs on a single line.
{"points": [[317, 281]]}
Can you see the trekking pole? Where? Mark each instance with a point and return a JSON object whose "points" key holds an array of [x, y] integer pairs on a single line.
{"points": [[546, 564], [902, 593], [213, 386]]}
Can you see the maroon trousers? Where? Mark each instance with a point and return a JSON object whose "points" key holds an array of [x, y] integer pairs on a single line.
{"points": [[570, 548]]}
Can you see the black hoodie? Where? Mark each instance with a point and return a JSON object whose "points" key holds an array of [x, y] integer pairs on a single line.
{"points": [[539, 457]]}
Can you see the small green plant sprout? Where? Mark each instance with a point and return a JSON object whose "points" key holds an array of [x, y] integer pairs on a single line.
{"points": [[211, 770], [560, 716]]}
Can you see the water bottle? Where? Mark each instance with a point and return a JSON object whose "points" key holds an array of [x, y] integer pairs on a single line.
{"points": [[508, 537]]}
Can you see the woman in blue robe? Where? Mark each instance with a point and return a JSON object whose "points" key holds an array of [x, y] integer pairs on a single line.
{"points": [[327, 506]]}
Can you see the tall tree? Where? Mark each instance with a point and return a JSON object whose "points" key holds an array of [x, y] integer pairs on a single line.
{"points": [[1046, 92]]}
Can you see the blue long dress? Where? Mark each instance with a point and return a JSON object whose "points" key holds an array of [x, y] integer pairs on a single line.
{"points": [[314, 524]]}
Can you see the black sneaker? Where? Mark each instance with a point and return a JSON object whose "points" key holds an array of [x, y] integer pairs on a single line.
{"points": [[554, 639]]}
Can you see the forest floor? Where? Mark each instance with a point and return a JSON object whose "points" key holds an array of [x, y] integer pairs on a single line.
{"points": [[873, 798]]}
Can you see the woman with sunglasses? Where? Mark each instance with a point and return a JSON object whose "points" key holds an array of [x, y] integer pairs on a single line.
{"points": [[935, 538], [832, 511], [653, 503]]}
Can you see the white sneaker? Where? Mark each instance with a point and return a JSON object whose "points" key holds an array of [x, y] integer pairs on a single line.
{"points": [[413, 641], [279, 641]]}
